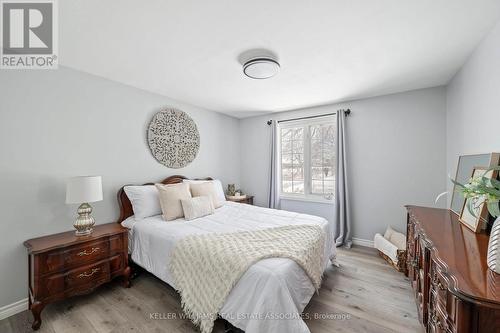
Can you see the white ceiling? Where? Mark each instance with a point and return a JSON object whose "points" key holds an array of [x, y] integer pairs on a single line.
{"points": [[329, 50]]}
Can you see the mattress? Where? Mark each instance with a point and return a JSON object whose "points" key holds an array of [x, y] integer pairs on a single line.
{"points": [[272, 293]]}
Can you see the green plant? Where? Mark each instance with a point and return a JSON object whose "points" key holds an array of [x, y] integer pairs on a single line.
{"points": [[482, 190]]}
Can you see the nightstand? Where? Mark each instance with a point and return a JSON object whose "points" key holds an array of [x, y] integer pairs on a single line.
{"points": [[247, 200], [64, 265]]}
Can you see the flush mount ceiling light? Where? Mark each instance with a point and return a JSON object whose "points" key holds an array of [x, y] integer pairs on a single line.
{"points": [[261, 68]]}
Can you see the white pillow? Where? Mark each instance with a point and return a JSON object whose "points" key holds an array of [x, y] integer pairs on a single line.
{"points": [[396, 238], [197, 207], [144, 199], [170, 199], [388, 232], [219, 190], [206, 189]]}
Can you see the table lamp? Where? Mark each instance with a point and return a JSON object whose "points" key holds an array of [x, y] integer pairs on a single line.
{"points": [[82, 190]]}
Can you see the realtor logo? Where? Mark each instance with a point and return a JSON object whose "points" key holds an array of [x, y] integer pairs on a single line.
{"points": [[29, 34]]}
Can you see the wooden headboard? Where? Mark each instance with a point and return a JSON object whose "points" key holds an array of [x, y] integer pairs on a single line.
{"points": [[125, 205]]}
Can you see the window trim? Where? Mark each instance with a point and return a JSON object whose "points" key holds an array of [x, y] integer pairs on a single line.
{"points": [[307, 196]]}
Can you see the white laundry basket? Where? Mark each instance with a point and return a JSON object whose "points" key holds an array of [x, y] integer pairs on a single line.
{"points": [[392, 247]]}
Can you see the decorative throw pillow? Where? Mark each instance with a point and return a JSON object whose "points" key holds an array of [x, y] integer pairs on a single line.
{"points": [[144, 199], [197, 207], [170, 199], [219, 189], [205, 189]]}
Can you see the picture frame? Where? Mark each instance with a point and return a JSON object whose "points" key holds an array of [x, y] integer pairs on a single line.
{"points": [[465, 167], [478, 222]]}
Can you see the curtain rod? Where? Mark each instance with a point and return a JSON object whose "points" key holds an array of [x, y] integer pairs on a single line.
{"points": [[347, 113]]}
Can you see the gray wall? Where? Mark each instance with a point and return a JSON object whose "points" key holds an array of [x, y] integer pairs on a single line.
{"points": [[62, 123], [396, 155], [473, 104]]}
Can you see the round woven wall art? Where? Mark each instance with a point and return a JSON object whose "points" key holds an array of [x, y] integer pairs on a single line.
{"points": [[173, 138]]}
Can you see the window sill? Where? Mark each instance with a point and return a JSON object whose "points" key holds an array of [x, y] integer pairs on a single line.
{"points": [[307, 199]]}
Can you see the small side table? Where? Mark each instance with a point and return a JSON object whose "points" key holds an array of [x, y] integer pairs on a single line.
{"points": [[64, 265], [246, 200]]}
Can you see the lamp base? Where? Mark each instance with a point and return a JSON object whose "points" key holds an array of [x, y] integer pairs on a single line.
{"points": [[84, 222], [83, 233]]}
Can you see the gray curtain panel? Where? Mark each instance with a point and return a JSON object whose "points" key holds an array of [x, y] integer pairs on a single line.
{"points": [[342, 221], [274, 196]]}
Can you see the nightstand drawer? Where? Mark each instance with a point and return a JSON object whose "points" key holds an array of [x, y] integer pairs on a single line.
{"points": [[96, 273], [76, 255], [87, 253], [81, 254], [88, 276]]}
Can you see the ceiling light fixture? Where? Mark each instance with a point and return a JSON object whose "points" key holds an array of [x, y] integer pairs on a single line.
{"points": [[261, 68]]}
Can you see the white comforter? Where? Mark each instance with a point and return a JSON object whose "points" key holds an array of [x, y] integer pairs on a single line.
{"points": [[270, 296]]}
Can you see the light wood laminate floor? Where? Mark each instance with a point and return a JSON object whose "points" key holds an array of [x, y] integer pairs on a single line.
{"points": [[369, 295]]}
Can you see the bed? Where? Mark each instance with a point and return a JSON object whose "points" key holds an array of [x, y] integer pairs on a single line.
{"points": [[271, 294]]}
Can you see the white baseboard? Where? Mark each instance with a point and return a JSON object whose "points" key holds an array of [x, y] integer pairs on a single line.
{"points": [[362, 242], [11, 309]]}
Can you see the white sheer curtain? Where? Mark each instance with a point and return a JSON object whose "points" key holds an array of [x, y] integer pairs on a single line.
{"points": [[274, 181], [342, 222]]}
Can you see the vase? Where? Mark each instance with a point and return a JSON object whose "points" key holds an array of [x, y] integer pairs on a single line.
{"points": [[493, 259], [231, 188], [489, 223]]}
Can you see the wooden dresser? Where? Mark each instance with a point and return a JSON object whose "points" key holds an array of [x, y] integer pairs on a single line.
{"points": [[63, 265], [446, 264]]}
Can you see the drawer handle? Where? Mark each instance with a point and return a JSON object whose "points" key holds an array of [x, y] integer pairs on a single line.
{"points": [[86, 275], [85, 253]]}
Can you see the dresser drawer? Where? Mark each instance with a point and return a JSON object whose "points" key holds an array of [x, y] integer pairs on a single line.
{"points": [[443, 301], [87, 253], [95, 273], [83, 253], [84, 277], [439, 284]]}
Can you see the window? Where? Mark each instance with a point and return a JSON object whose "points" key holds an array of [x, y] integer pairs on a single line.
{"points": [[308, 159]]}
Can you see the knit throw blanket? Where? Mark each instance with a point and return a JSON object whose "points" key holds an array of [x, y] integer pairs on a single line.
{"points": [[206, 267]]}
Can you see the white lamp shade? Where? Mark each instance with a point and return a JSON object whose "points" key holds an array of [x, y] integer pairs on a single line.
{"points": [[83, 189]]}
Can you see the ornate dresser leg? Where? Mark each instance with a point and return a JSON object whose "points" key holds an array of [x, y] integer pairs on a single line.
{"points": [[36, 309]]}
